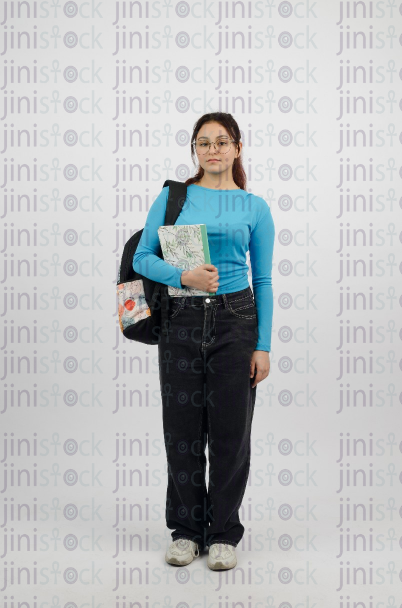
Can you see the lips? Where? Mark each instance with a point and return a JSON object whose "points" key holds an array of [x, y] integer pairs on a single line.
{"points": [[213, 160]]}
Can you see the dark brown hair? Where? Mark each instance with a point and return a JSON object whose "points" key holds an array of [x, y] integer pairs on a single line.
{"points": [[231, 126]]}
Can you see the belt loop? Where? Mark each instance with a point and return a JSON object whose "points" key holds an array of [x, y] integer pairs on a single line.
{"points": [[224, 300]]}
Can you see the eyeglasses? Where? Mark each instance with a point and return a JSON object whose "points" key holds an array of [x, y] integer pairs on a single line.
{"points": [[222, 146]]}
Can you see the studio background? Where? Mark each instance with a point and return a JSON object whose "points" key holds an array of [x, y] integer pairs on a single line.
{"points": [[316, 90]]}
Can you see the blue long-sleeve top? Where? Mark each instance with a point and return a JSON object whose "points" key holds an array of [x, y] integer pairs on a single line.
{"points": [[237, 221]]}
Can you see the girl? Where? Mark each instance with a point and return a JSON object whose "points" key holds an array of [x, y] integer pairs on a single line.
{"points": [[218, 346]]}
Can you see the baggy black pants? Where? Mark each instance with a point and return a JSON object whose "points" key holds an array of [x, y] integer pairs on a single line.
{"points": [[204, 370]]}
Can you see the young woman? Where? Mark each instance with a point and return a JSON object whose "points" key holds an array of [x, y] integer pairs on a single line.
{"points": [[218, 346]]}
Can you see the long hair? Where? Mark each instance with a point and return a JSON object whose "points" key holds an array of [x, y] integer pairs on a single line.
{"points": [[231, 126]]}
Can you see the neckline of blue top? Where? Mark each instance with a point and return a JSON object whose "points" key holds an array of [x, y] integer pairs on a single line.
{"points": [[216, 189]]}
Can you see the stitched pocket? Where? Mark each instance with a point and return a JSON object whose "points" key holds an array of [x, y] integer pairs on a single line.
{"points": [[243, 308], [175, 306]]}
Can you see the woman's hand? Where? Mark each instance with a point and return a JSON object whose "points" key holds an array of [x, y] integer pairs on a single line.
{"points": [[204, 277], [259, 364]]}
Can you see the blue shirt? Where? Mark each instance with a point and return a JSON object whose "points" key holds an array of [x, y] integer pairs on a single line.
{"points": [[237, 221]]}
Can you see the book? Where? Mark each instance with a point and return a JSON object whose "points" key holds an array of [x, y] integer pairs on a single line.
{"points": [[185, 247]]}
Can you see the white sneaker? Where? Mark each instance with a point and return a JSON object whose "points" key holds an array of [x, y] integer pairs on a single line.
{"points": [[181, 552], [222, 556]]}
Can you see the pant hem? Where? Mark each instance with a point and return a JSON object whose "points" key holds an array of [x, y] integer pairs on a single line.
{"points": [[224, 542], [187, 538]]}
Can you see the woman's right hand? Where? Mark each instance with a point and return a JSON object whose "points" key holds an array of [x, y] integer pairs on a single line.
{"points": [[204, 277]]}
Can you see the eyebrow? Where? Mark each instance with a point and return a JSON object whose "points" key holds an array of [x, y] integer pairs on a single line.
{"points": [[219, 137]]}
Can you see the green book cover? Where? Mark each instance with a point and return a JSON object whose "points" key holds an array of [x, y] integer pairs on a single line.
{"points": [[185, 247]]}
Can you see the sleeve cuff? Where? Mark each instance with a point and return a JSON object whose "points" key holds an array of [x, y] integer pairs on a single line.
{"points": [[178, 279]]}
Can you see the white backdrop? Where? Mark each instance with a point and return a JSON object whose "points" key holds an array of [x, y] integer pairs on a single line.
{"points": [[98, 105]]}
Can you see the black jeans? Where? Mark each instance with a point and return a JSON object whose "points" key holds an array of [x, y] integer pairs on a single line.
{"points": [[204, 370]]}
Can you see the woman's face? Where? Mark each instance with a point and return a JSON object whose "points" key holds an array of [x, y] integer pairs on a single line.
{"points": [[215, 132]]}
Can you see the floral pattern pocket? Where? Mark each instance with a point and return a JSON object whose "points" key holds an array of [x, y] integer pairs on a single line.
{"points": [[132, 303]]}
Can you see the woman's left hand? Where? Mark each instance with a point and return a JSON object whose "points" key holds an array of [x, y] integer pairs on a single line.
{"points": [[260, 364]]}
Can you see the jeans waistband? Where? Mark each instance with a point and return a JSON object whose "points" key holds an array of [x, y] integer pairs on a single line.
{"points": [[217, 299]]}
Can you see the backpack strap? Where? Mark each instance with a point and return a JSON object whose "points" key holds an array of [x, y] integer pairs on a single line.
{"points": [[176, 200], [175, 204]]}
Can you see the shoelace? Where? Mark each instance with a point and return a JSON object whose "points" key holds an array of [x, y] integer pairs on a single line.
{"points": [[221, 546], [194, 554]]}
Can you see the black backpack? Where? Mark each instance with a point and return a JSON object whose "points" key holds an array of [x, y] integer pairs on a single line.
{"points": [[143, 304]]}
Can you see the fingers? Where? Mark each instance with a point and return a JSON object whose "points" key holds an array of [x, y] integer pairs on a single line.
{"points": [[259, 376], [214, 286]]}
